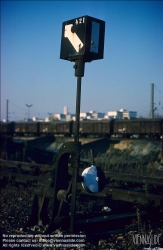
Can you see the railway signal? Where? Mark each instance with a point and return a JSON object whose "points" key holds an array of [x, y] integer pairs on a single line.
{"points": [[93, 179], [82, 37], [82, 41]]}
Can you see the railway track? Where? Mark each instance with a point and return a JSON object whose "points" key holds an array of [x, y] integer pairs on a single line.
{"points": [[119, 227], [118, 186], [116, 192], [127, 203]]}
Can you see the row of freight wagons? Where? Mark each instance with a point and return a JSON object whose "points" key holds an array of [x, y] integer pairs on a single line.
{"points": [[92, 127]]}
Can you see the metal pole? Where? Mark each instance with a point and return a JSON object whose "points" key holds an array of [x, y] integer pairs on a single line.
{"points": [[77, 158], [78, 96], [79, 72], [162, 150], [7, 110], [152, 101]]}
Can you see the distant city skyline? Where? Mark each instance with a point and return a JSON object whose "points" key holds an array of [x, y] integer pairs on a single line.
{"points": [[91, 114], [63, 112], [32, 72], [66, 111]]}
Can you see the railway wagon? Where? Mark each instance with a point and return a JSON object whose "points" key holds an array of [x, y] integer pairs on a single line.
{"points": [[7, 128], [56, 127], [96, 128], [26, 128], [153, 127], [150, 127]]}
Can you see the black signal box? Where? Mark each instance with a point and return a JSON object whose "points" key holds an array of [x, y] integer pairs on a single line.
{"points": [[82, 37]]}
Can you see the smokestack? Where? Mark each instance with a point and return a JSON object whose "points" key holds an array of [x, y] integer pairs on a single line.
{"points": [[152, 101]]}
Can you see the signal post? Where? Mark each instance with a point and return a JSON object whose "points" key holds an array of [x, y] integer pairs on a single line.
{"points": [[82, 41]]}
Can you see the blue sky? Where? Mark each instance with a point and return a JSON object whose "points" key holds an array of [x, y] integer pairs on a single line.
{"points": [[33, 73]]}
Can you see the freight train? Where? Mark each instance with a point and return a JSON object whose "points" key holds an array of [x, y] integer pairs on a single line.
{"points": [[124, 128]]}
